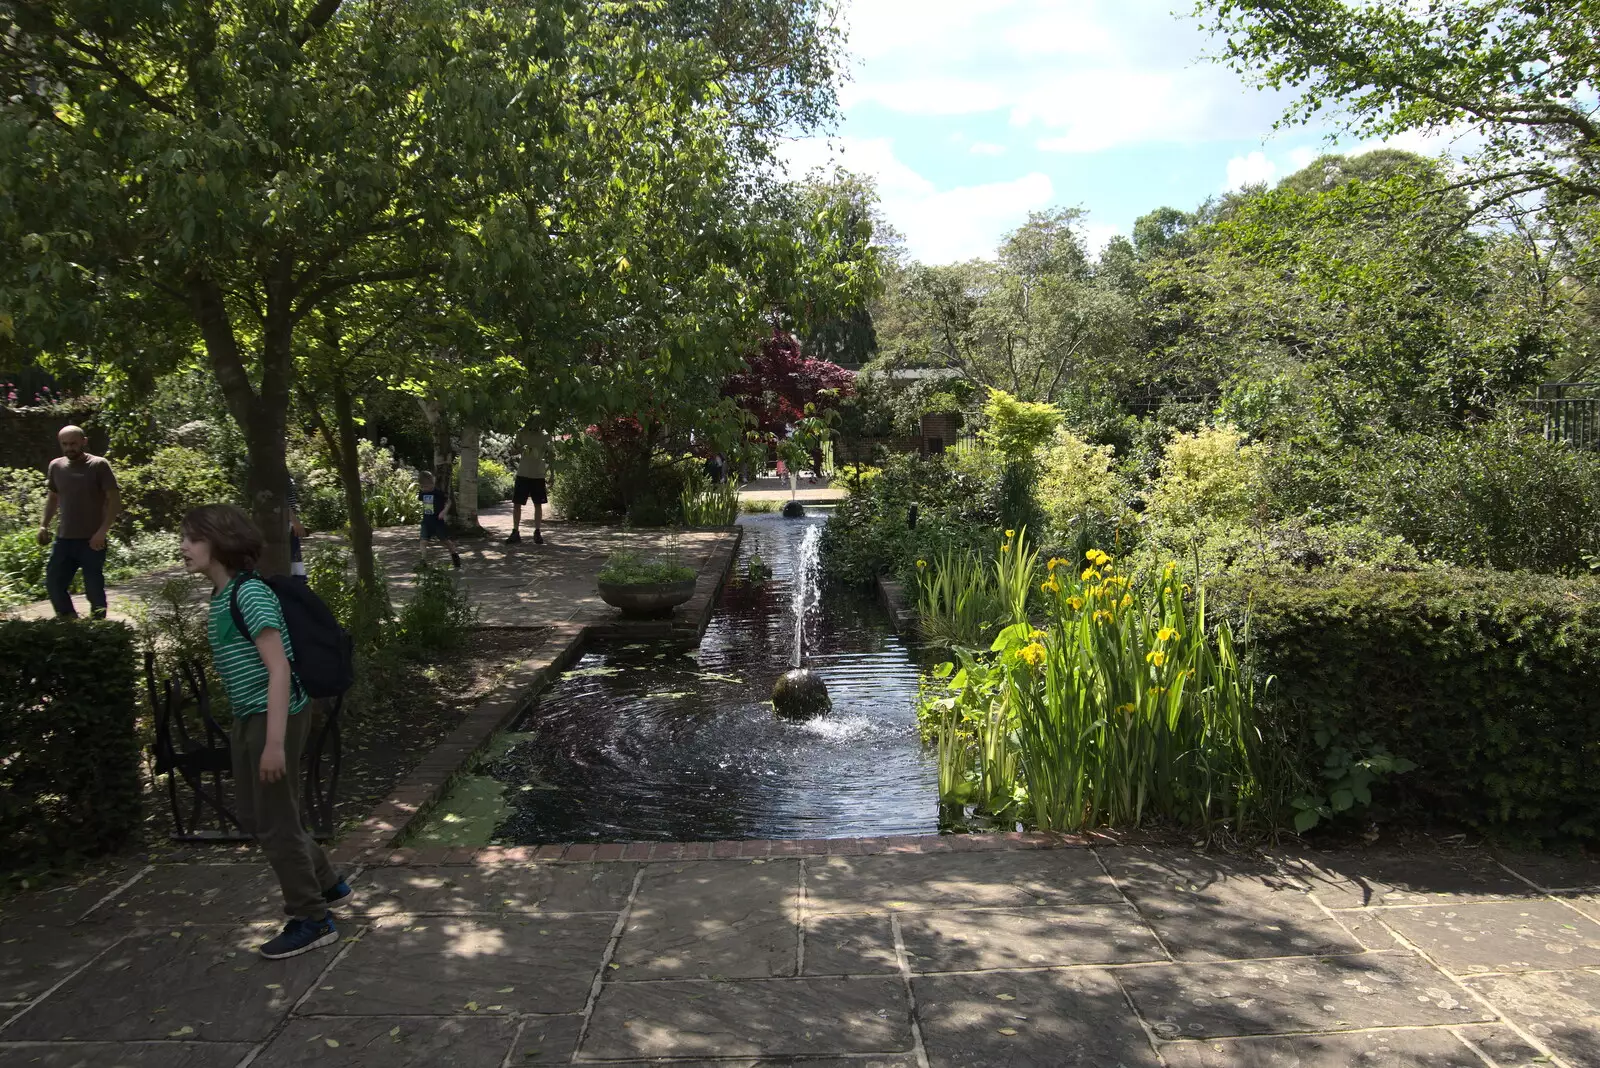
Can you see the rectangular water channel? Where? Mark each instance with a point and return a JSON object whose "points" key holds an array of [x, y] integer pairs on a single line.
{"points": [[647, 742]]}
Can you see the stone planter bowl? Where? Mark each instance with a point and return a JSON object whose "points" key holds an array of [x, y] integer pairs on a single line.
{"points": [[646, 600]]}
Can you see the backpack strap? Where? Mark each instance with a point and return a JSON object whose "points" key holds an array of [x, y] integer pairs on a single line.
{"points": [[244, 631]]}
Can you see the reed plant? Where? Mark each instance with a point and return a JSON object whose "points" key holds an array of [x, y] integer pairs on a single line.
{"points": [[958, 601], [710, 506], [1109, 699]]}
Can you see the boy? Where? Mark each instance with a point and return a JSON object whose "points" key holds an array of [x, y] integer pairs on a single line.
{"points": [[270, 723], [435, 510], [533, 468]]}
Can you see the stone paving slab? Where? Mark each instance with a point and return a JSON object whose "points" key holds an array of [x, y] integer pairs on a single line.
{"points": [[532, 888], [1561, 1009], [197, 893], [429, 965], [391, 1042], [65, 905], [124, 1055], [1205, 909], [1020, 956], [910, 882], [191, 983], [713, 919], [35, 958], [973, 940], [1429, 1048], [1349, 881], [1043, 1019], [1551, 871], [772, 1018], [1501, 936], [1305, 994]]}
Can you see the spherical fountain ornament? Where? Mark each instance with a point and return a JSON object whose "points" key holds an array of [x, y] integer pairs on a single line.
{"points": [[793, 510], [801, 694]]}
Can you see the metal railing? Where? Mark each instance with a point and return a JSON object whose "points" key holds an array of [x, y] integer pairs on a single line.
{"points": [[1570, 412]]}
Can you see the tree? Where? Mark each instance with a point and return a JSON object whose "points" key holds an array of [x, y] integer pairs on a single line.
{"points": [[779, 385], [232, 169], [1520, 73]]}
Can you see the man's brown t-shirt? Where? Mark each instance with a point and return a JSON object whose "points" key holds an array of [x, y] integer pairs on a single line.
{"points": [[82, 489]]}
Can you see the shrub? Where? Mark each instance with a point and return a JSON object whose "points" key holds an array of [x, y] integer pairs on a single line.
{"points": [[391, 490], [157, 495], [22, 562], [1484, 680], [1210, 474], [318, 489], [22, 493], [1080, 495], [1491, 496], [495, 482], [1015, 428], [69, 781], [585, 490], [437, 616]]}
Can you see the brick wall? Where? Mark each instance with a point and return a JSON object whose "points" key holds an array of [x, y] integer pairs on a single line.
{"points": [[28, 435], [939, 431]]}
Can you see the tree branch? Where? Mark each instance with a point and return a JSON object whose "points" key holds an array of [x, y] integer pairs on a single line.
{"points": [[319, 15]]}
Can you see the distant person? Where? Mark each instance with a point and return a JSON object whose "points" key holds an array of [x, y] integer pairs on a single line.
{"points": [[83, 488], [717, 469], [435, 511], [270, 723], [297, 563], [533, 469]]}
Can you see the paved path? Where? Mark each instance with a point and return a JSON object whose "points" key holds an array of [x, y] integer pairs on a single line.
{"points": [[903, 959], [776, 490], [523, 585]]}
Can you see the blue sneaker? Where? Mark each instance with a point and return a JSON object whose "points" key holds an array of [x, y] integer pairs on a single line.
{"points": [[301, 936], [339, 894]]}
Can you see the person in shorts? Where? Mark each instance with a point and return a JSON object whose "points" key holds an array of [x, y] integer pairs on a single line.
{"points": [[533, 468], [435, 512]]}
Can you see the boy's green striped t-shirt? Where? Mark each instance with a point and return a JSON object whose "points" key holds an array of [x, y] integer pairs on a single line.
{"points": [[243, 673]]}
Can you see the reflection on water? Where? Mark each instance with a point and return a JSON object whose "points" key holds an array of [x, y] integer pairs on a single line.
{"points": [[639, 743]]}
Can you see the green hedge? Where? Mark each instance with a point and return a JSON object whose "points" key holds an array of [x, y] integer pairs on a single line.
{"points": [[1489, 681], [69, 749]]}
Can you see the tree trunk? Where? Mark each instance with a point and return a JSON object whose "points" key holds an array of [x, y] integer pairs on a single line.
{"points": [[348, 457], [443, 452], [263, 416], [467, 503]]}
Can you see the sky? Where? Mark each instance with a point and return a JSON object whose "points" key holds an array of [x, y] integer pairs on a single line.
{"points": [[972, 113]]}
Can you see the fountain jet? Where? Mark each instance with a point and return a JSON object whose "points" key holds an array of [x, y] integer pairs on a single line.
{"points": [[800, 693]]}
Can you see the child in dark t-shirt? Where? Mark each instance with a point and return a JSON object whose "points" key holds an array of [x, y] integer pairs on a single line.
{"points": [[435, 510]]}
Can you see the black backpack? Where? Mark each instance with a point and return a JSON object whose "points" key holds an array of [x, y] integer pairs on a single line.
{"points": [[324, 655]]}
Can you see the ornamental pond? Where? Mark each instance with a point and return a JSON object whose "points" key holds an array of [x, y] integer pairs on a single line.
{"points": [[648, 742]]}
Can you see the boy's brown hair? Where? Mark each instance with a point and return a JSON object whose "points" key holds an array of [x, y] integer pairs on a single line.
{"points": [[235, 541]]}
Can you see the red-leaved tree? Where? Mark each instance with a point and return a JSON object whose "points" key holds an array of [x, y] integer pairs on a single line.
{"points": [[778, 381]]}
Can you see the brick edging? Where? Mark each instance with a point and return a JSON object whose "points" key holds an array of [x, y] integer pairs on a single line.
{"points": [[417, 793], [892, 595], [738, 850]]}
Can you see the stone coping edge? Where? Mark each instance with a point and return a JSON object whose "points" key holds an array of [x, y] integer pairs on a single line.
{"points": [[732, 850], [394, 817], [892, 595]]}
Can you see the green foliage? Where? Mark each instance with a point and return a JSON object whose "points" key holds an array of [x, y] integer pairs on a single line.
{"points": [[318, 488], [1483, 680], [495, 481], [584, 491], [22, 494], [1127, 703], [1015, 428], [1209, 475], [1349, 772], [1078, 489], [957, 602], [631, 569], [1489, 496], [22, 562], [437, 617], [157, 495], [710, 506], [391, 490], [70, 782]]}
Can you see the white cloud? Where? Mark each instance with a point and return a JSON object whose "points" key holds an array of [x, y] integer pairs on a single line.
{"points": [[1081, 75], [1096, 236], [1303, 157], [941, 225], [1254, 169], [986, 148]]}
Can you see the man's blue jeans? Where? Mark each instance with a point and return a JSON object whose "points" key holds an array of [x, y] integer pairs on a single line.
{"points": [[66, 557]]}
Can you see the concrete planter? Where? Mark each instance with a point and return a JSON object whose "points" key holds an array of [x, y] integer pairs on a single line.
{"points": [[646, 600]]}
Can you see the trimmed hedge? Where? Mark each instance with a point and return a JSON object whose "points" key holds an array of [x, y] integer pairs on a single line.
{"points": [[1489, 681], [69, 749]]}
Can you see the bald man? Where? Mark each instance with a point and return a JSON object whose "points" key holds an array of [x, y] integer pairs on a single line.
{"points": [[84, 490]]}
